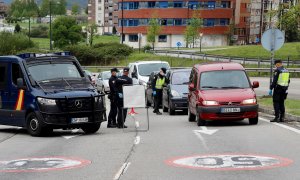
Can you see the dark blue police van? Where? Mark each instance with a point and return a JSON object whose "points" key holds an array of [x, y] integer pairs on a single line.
{"points": [[46, 92]]}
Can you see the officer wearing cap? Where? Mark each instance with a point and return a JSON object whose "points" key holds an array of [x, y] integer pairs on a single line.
{"points": [[280, 85], [157, 85], [120, 82], [112, 122]]}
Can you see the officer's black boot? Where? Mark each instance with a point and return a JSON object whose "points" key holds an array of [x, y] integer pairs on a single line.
{"points": [[276, 119], [281, 119]]}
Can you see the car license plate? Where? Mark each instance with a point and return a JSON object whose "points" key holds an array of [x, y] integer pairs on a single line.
{"points": [[80, 120], [230, 110]]}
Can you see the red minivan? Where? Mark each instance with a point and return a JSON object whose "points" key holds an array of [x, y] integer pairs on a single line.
{"points": [[221, 91]]}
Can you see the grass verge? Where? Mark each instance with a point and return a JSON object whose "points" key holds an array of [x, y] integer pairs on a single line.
{"points": [[292, 106]]}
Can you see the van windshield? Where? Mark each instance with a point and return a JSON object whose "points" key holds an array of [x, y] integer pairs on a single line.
{"points": [[224, 80], [49, 71], [146, 69]]}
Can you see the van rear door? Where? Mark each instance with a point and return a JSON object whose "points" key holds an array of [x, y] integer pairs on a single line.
{"points": [[5, 113]]}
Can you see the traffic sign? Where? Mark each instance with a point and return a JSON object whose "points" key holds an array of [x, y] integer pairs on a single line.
{"points": [[272, 39], [178, 44], [230, 162]]}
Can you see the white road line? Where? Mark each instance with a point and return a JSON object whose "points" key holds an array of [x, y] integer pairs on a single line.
{"points": [[282, 125], [122, 170], [137, 124], [137, 140], [201, 139]]}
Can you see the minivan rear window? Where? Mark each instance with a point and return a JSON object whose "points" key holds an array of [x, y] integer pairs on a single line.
{"points": [[228, 79], [146, 69]]}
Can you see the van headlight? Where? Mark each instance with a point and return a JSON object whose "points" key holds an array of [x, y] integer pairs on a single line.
{"points": [[210, 103], [175, 93], [249, 101], [46, 102]]}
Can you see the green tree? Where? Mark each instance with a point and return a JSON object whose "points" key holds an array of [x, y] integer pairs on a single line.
{"points": [[23, 9], [153, 30], [289, 23], [75, 9], [58, 7], [193, 28], [45, 8], [92, 30], [66, 31], [17, 28], [230, 33]]}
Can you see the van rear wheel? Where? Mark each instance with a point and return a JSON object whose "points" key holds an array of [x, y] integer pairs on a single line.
{"points": [[91, 128], [34, 126]]}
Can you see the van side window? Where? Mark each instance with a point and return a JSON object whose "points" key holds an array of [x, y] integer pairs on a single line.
{"points": [[16, 73], [3, 77], [191, 76]]}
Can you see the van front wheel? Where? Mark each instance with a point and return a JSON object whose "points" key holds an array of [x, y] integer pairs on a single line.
{"points": [[91, 128], [253, 121], [34, 125]]}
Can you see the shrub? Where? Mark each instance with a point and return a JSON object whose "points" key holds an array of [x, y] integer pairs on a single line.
{"points": [[99, 53], [39, 32], [147, 48], [13, 43]]}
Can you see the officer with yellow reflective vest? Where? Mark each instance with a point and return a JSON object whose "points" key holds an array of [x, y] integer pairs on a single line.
{"points": [[280, 84], [157, 85]]}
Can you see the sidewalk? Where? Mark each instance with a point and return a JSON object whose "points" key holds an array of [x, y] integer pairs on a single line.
{"points": [[288, 117]]}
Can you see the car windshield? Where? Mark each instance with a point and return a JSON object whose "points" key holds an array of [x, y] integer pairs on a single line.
{"points": [[146, 69], [106, 75], [224, 80], [44, 72], [181, 77]]}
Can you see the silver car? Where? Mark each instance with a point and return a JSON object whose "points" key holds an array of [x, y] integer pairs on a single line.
{"points": [[102, 82]]}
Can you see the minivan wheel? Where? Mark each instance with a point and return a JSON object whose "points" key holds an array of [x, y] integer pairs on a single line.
{"points": [[200, 122], [91, 128], [192, 117], [34, 126], [253, 121]]}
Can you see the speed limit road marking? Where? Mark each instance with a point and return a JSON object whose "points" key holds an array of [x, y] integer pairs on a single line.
{"points": [[230, 162], [41, 164]]}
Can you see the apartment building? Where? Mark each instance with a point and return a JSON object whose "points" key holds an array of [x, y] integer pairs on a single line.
{"points": [[3, 9], [101, 12]]}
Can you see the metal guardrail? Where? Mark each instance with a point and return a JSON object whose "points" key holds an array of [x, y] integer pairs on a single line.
{"points": [[204, 56], [101, 68]]}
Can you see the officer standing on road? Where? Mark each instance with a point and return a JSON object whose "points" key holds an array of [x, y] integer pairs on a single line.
{"points": [[112, 122], [280, 85], [157, 85], [121, 81]]}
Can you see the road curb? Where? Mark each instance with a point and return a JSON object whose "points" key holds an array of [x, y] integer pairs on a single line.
{"points": [[288, 117]]}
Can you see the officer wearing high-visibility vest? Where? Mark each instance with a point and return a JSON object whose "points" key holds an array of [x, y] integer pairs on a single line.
{"points": [[280, 84], [157, 86]]}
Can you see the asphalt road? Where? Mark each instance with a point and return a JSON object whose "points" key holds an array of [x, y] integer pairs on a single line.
{"points": [[132, 155]]}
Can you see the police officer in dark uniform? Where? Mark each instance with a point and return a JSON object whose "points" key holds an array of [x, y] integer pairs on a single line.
{"points": [[112, 121], [120, 82], [280, 85], [157, 85]]}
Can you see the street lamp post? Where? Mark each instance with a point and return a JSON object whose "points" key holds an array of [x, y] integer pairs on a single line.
{"points": [[50, 13], [201, 34]]}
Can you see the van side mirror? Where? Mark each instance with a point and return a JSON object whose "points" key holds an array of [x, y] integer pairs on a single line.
{"points": [[192, 87], [255, 84], [134, 75], [20, 83]]}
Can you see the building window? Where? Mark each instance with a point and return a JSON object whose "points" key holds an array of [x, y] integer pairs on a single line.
{"points": [[133, 38], [170, 22], [209, 22], [143, 22], [163, 4], [224, 22], [151, 4], [171, 4], [162, 38], [211, 4], [225, 4], [178, 22], [178, 4], [163, 22], [133, 22], [193, 4]]}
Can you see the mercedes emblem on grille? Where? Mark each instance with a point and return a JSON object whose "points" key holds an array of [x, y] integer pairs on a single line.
{"points": [[230, 103], [78, 104]]}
